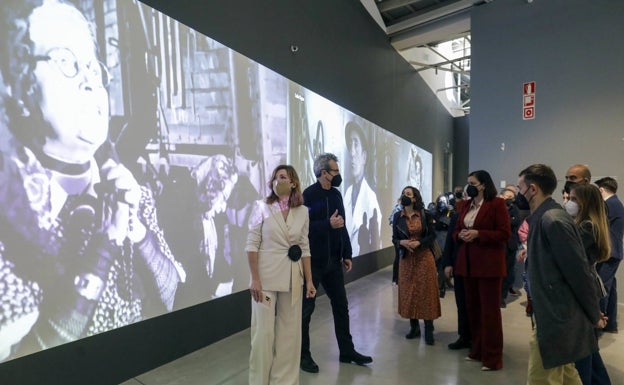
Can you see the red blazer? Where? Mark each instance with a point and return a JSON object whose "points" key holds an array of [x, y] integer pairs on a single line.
{"points": [[485, 256]]}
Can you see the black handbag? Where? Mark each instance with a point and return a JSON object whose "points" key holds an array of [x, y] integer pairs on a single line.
{"points": [[436, 250], [294, 253]]}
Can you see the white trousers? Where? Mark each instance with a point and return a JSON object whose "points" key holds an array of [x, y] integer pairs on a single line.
{"points": [[275, 340]]}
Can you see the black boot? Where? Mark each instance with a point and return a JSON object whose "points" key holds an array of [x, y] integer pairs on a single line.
{"points": [[429, 332], [414, 330]]}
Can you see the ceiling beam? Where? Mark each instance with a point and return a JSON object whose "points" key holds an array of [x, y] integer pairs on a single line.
{"points": [[435, 14], [436, 67], [389, 5], [449, 61], [446, 29]]}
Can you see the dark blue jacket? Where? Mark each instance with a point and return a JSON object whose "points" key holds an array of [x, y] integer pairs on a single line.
{"points": [[615, 213], [326, 244]]}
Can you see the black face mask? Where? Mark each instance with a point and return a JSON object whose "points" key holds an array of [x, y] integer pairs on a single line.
{"points": [[472, 191], [521, 202], [459, 195], [441, 206], [405, 201], [336, 180], [568, 186], [509, 201]]}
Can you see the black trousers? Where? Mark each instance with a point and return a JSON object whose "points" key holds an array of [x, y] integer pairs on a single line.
{"points": [[463, 327], [395, 266], [608, 305], [332, 279], [508, 281]]}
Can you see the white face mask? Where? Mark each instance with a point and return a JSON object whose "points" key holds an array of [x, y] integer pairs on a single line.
{"points": [[571, 208]]}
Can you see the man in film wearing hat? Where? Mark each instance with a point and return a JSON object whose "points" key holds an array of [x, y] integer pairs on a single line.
{"points": [[361, 205]]}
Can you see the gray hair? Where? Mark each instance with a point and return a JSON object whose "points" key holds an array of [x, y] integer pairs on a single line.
{"points": [[321, 162]]}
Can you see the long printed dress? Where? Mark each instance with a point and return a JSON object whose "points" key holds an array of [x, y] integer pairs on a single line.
{"points": [[418, 278]]}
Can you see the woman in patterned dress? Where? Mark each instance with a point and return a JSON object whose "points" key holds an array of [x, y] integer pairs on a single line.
{"points": [[413, 233]]}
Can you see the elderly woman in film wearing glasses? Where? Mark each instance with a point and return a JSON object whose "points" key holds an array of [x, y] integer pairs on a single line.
{"points": [[81, 251], [279, 259]]}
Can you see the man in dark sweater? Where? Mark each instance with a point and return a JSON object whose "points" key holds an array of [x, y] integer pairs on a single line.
{"points": [[331, 249]]}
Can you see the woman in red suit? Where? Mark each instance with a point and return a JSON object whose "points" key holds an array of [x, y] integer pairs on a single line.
{"points": [[482, 231]]}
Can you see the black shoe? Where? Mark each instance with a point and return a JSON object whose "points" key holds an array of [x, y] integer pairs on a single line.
{"points": [[413, 333], [459, 344], [503, 304], [308, 365], [356, 358], [610, 330]]}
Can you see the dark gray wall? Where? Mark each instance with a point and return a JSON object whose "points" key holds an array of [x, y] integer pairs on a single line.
{"points": [[573, 50], [461, 135], [343, 56]]}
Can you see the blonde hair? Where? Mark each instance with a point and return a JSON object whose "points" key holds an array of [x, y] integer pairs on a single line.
{"points": [[592, 208]]}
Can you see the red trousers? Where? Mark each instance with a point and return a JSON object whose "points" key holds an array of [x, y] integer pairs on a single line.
{"points": [[483, 300]]}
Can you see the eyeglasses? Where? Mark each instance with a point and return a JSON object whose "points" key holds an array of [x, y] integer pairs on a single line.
{"points": [[66, 62], [333, 170]]}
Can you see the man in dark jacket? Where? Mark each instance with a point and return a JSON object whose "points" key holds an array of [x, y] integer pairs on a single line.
{"points": [[330, 247], [607, 269], [565, 302]]}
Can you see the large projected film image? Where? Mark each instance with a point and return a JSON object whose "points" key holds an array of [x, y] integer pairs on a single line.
{"points": [[132, 149]]}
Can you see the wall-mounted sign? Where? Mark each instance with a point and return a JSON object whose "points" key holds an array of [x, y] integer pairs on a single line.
{"points": [[528, 101]]}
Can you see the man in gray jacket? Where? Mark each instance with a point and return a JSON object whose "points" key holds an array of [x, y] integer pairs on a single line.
{"points": [[565, 302]]}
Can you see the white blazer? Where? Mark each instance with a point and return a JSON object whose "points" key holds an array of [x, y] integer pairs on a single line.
{"points": [[271, 237]]}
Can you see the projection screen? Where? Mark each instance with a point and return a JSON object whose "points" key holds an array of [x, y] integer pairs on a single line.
{"points": [[133, 149]]}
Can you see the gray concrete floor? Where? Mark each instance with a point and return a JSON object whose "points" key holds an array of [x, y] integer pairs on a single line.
{"points": [[378, 331]]}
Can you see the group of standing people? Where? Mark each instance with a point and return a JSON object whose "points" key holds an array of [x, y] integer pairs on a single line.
{"points": [[563, 245], [297, 241], [568, 249], [579, 250], [474, 252]]}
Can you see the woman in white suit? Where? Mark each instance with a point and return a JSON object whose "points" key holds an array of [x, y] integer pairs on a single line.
{"points": [[279, 259]]}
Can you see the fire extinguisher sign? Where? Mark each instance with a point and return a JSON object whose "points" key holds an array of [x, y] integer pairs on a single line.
{"points": [[528, 101]]}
